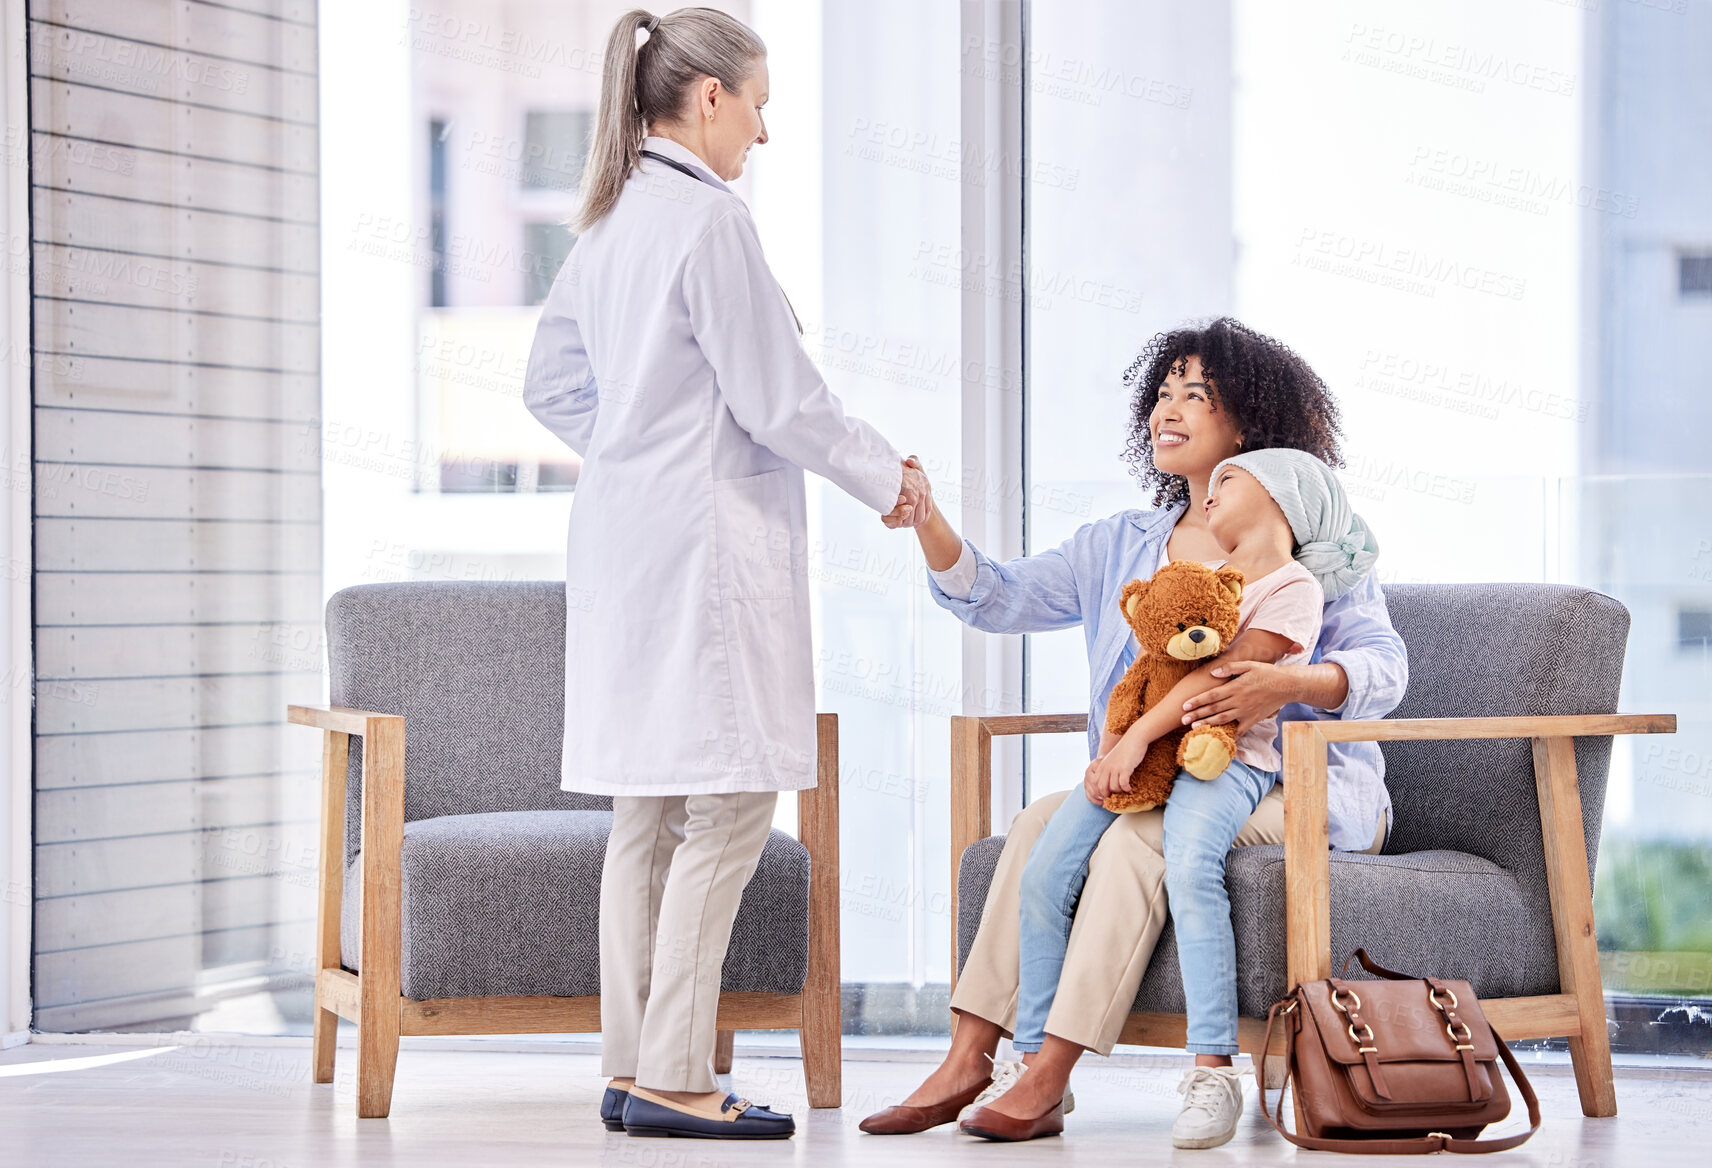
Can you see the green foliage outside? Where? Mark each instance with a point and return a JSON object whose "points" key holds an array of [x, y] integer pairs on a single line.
{"points": [[1652, 900]]}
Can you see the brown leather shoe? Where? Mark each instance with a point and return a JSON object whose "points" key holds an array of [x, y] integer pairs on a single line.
{"points": [[993, 1125], [899, 1120]]}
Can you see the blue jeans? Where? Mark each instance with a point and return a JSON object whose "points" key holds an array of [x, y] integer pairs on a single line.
{"points": [[1202, 820]]}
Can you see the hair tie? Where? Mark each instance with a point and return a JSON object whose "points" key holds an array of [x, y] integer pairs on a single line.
{"points": [[652, 25]]}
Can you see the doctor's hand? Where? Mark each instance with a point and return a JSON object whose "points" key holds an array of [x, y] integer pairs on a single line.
{"points": [[915, 500]]}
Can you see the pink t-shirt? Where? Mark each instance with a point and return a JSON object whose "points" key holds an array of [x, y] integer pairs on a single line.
{"points": [[1287, 601]]}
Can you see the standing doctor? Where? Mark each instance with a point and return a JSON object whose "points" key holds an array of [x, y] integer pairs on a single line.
{"points": [[668, 358]]}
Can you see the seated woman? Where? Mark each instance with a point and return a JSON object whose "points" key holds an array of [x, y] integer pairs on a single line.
{"points": [[1273, 511], [1200, 396]]}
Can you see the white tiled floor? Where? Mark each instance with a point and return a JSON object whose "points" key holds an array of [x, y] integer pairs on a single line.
{"points": [[236, 1103]]}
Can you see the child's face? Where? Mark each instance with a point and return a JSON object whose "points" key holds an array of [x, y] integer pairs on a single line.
{"points": [[1191, 433], [1239, 507]]}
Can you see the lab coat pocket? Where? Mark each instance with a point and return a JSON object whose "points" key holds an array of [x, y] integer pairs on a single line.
{"points": [[752, 538]]}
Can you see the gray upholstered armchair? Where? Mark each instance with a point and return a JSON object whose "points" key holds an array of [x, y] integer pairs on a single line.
{"points": [[459, 886], [1496, 762]]}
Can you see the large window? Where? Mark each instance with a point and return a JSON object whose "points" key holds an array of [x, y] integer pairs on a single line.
{"points": [[282, 315], [429, 440], [1475, 222]]}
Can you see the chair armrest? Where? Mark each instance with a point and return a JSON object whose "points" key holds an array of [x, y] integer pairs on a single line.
{"points": [[339, 719], [972, 770], [1307, 842], [382, 842], [972, 782], [382, 826], [1440, 729], [1030, 723]]}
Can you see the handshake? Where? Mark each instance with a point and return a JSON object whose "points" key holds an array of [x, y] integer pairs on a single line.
{"points": [[915, 500]]}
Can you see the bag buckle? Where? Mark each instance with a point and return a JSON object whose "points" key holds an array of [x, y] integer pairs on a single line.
{"points": [[1463, 1041]]}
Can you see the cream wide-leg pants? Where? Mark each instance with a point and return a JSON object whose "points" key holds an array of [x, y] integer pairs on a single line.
{"points": [[676, 867], [1118, 921]]}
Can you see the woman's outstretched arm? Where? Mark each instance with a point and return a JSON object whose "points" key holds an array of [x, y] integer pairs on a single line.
{"points": [[940, 543], [1028, 594]]}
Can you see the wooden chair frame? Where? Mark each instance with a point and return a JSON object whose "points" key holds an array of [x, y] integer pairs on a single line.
{"points": [[1576, 1012], [371, 997]]}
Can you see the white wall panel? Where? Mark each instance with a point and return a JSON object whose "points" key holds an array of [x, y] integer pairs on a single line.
{"points": [[177, 451]]}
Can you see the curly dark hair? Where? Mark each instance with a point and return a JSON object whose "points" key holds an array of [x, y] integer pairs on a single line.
{"points": [[1275, 399]]}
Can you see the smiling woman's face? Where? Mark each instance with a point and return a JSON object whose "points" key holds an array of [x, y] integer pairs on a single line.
{"points": [[1192, 433]]}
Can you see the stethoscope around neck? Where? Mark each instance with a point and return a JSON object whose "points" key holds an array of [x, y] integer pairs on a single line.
{"points": [[680, 167], [674, 164]]}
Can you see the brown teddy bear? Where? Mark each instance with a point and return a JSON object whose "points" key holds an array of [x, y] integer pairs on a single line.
{"points": [[1182, 617]]}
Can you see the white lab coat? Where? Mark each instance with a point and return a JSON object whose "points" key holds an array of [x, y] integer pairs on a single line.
{"points": [[668, 357]]}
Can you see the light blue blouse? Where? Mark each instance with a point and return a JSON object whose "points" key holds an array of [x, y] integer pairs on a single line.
{"points": [[1080, 581]]}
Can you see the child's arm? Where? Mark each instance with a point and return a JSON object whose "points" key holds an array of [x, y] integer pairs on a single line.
{"points": [[1252, 645], [1356, 654], [1111, 772]]}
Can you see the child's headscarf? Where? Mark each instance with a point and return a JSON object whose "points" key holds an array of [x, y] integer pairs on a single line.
{"points": [[1332, 541]]}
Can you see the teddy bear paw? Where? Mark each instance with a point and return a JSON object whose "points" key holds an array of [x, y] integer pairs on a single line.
{"points": [[1206, 756]]}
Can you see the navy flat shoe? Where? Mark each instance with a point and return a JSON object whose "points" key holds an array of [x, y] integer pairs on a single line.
{"points": [[645, 1118], [612, 1108]]}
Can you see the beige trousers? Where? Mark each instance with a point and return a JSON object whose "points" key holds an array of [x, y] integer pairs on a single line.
{"points": [[1118, 921], [676, 867]]}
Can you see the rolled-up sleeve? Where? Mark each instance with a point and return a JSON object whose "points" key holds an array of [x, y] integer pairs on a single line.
{"points": [[1358, 637], [958, 580], [1029, 594], [748, 334], [558, 384]]}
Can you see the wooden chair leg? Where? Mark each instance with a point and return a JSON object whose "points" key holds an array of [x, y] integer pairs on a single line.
{"points": [[379, 956], [1590, 1055], [324, 1044], [823, 1043], [723, 1048], [821, 1033], [1307, 864], [1251, 1036], [1572, 920], [335, 757], [377, 1059]]}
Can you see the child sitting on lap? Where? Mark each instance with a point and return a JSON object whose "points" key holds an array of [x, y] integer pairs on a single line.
{"points": [[1285, 522]]}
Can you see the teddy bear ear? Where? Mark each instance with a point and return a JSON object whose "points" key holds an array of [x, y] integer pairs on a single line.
{"points": [[1232, 580], [1132, 595]]}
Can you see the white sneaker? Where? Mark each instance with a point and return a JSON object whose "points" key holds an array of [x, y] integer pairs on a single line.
{"points": [[1212, 1103], [1005, 1076]]}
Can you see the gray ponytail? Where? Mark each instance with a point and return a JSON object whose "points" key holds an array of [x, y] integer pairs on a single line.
{"points": [[651, 84]]}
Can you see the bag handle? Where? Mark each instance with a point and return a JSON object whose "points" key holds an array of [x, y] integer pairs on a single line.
{"points": [[1375, 968], [1432, 1142]]}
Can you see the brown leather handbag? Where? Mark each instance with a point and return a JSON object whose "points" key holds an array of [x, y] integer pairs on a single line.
{"points": [[1403, 1065]]}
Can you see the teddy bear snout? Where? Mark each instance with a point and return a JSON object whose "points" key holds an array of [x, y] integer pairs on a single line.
{"points": [[1194, 643]]}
